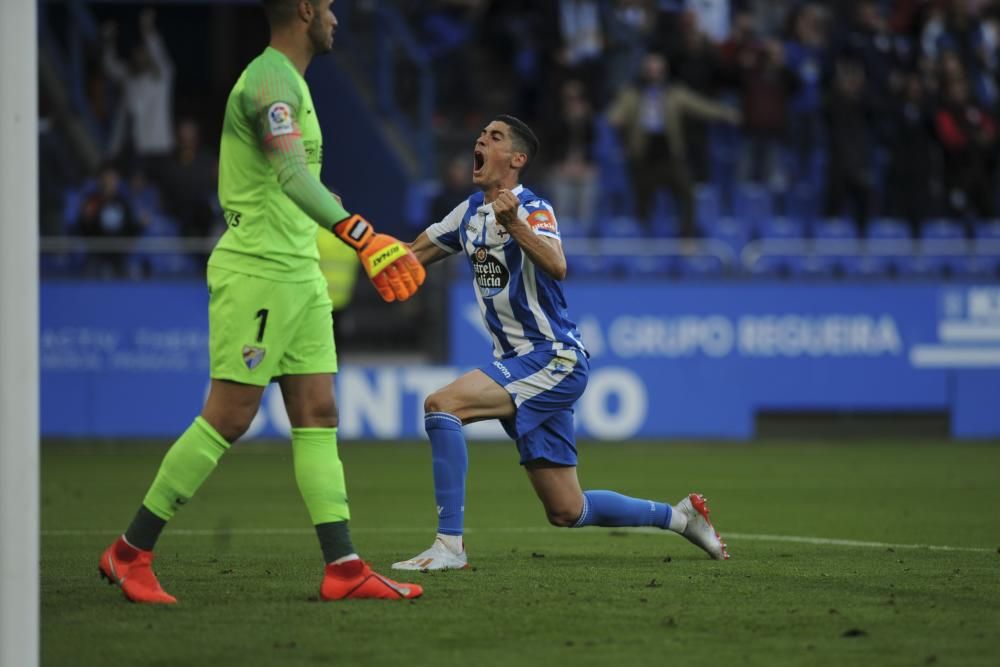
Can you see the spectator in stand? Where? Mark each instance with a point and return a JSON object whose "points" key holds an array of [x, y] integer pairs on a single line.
{"points": [[766, 85], [145, 129], [867, 40], [850, 169], [517, 38], [695, 62], [968, 135], [573, 174], [913, 183], [107, 213], [456, 186], [190, 182], [143, 197], [650, 117], [770, 16], [582, 44], [630, 24], [805, 56], [986, 60]]}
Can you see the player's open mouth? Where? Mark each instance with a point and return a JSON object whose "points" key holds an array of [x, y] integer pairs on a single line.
{"points": [[478, 160]]}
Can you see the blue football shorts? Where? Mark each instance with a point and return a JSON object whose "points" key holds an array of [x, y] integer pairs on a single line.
{"points": [[544, 387]]}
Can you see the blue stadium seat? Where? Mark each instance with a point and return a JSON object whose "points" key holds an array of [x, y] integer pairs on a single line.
{"points": [[888, 229], [645, 266], [707, 206], [734, 233], [989, 229], [571, 228], [802, 204], [163, 264], [72, 202], [752, 203], [589, 266], [69, 262], [770, 266], [837, 247], [663, 218], [885, 236], [836, 229], [700, 266], [722, 153], [781, 228], [949, 233], [614, 188], [621, 227], [985, 258]]}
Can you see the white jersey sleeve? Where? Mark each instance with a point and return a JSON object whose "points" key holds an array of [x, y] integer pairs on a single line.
{"points": [[445, 234], [542, 218]]}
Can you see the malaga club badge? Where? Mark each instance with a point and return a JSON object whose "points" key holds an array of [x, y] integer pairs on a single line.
{"points": [[252, 356]]}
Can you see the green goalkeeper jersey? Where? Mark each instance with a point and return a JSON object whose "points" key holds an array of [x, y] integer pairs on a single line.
{"points": [[269, 235]]}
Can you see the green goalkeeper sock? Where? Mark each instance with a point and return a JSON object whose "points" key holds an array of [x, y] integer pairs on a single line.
{"points": [[320, 476], [186, 466]]}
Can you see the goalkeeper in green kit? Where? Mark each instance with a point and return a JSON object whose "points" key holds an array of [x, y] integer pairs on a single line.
{"points": [[269, 311]]}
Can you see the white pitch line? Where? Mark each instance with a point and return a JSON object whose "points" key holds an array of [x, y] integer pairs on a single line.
{"points": [[821, 541], [826, 541]]}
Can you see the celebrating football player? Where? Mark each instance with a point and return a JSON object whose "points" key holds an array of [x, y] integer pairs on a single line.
{"points": [[511, 238]]}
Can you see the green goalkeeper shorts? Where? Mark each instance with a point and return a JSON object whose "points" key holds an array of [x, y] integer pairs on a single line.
{"points": [[260, 329]]}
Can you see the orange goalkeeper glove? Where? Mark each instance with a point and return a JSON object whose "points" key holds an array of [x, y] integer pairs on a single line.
{"points": [[391, 266]]}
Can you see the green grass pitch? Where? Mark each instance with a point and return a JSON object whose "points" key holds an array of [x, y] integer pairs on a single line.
{"points": [[243, 561]]}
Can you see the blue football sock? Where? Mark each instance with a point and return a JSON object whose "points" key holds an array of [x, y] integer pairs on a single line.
{"points": [[607, 508], [451, 463]]}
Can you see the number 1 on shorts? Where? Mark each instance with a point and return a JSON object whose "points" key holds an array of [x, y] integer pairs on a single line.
{"points": [[262, 315]]}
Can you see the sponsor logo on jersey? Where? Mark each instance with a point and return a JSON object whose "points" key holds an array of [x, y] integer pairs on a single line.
{"points": [[279, 116], [252, 356], [491, 275], [503, 369], [542, 219]]}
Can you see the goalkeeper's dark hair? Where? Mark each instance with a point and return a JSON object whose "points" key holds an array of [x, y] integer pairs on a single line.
{"points": [[523, 139], [281, 12]]}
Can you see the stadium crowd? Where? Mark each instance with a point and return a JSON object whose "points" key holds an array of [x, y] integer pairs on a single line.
{"points": [[868, 108], [657, 117]]}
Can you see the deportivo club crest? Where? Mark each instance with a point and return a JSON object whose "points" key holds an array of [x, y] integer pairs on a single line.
{"points": [[252, 356]]}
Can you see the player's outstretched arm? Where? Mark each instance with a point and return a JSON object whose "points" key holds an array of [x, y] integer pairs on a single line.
{"points": [[392, 268], [426, 251]]}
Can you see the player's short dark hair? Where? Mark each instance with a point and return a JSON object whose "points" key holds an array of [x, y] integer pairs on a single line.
{"points": [[280, 12], [523, 139]]}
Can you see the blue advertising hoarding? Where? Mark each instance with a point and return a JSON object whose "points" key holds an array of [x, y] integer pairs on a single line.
{"points": [[669, 360], [682, 360]]}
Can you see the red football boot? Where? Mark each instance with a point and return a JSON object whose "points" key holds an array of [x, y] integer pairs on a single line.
{"points": [[354, 579], [132, 570]]}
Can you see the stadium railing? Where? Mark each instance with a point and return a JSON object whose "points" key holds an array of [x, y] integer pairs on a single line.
{"points": [[625, 257], [801, 256]]}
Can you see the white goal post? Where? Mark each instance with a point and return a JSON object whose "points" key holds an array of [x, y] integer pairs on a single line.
{"points": [[19, 521]]}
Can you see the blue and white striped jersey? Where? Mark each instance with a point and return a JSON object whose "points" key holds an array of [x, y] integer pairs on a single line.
{"points": [[523, 307]]}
